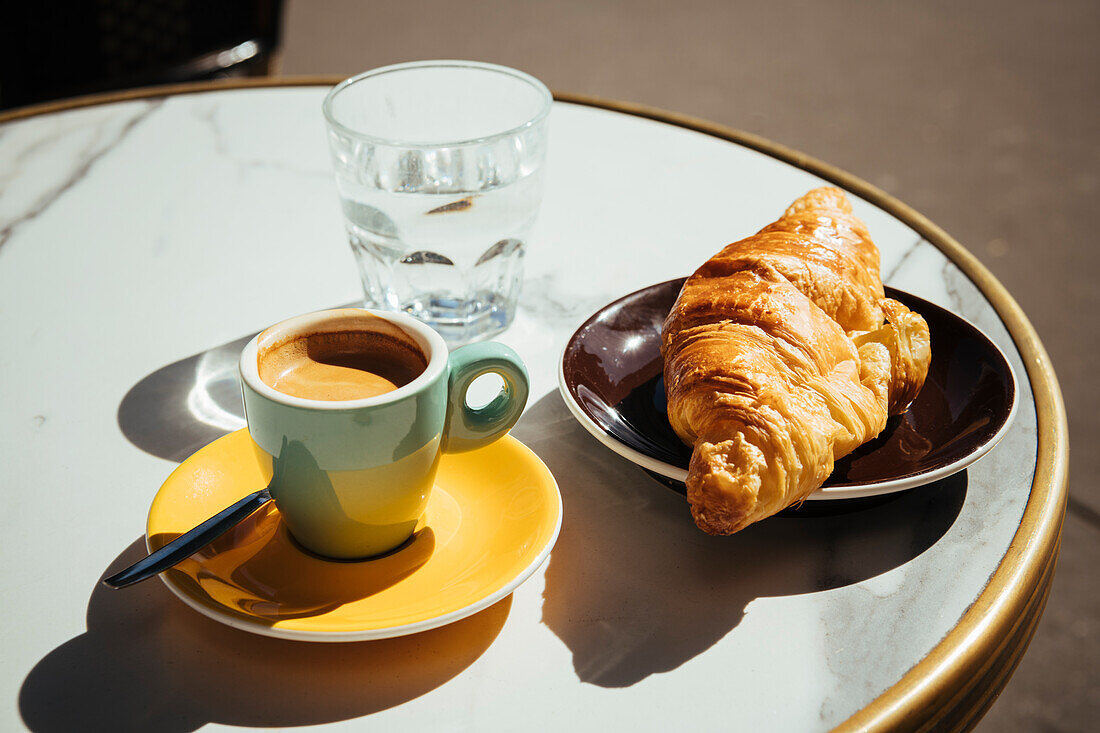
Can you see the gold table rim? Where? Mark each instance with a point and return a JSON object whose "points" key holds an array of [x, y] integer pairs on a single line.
{"points": [[1018, 586]]}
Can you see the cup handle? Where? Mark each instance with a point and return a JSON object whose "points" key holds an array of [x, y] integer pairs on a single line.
{"points": [[469, 428]]}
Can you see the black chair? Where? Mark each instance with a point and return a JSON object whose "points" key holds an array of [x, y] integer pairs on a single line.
{"points": [[51, 49]]}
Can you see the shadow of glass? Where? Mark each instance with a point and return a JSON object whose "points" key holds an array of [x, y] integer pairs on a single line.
{"points": [[181, 407], [648, 606], [258, 568], [147, 662]]}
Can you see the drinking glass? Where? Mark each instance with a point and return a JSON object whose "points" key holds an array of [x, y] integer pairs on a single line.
{"points": [[439, 166]]}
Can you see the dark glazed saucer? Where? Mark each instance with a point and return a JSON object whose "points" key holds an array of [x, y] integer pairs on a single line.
{"points": [[611, 379]]}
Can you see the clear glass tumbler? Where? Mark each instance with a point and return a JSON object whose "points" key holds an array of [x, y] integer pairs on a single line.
{"points": [[439, 167]]}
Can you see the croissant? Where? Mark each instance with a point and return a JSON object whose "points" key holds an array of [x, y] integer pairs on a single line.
{"points": [[781, 355]]}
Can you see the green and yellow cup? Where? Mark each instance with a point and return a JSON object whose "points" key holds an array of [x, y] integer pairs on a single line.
{"points": [[352, 477]]}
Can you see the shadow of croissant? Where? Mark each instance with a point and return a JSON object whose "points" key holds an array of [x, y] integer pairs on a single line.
{"points": [[147, 662], [633, 588]]}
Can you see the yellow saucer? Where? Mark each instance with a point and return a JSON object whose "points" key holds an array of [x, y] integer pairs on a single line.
{"points": [[492, 518]]}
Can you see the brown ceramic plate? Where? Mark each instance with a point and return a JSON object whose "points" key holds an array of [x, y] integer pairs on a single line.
{"points": [[611, 379]]}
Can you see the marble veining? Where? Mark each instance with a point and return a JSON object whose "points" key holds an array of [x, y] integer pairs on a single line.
{"points": [[208, 113], [202, 218], [105, 138], [899, 260]]}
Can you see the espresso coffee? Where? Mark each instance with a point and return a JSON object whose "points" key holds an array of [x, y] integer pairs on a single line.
{"points": [[340, 365]]}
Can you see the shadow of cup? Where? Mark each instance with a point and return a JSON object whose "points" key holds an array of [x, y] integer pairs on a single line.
{"points": [[146, 662], [259, 571]]}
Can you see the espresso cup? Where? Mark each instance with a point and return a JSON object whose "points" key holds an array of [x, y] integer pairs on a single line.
{"points": [[351, 475]]}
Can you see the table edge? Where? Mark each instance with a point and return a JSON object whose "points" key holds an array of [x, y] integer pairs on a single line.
{"points": [[1017, 591], [1000, 623]]}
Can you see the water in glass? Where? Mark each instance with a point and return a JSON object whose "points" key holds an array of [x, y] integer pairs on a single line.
{"points": [[452, 258]]}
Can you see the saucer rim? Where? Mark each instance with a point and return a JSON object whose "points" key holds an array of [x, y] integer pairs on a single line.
{"points": [[827, 493], [274, 631]]}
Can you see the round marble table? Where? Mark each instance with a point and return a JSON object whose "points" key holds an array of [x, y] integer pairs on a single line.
{"points": [[143, 235]]}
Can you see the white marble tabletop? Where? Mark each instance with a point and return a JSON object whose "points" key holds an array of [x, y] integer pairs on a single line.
{"points": [[140, 240]]}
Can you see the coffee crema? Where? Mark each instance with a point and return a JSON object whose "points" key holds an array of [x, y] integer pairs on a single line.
{"points": [[340, 365]]}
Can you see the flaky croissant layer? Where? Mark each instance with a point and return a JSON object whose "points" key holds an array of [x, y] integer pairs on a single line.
{"points": [[781, 355]]}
